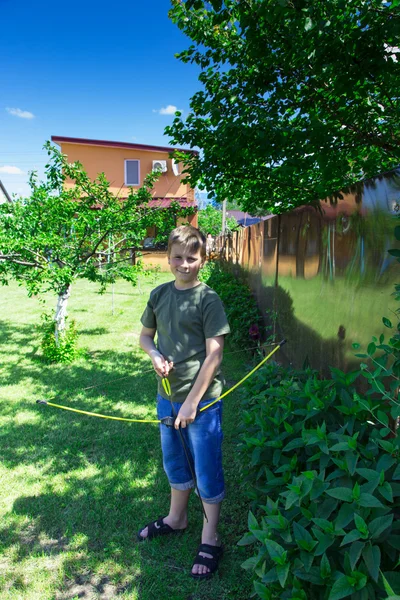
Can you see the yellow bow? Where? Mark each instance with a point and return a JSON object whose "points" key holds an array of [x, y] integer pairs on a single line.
{"points": [[166, 385]]}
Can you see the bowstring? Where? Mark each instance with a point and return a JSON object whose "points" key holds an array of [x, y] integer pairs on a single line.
{"points": [[186, 451]]}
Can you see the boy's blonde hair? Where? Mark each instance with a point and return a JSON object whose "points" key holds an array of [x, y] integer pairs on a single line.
{"points": [[188, 236]]}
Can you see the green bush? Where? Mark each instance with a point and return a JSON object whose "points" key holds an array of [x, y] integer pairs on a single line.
{"points": [[240, 305], [323, 475], [67, 349]]}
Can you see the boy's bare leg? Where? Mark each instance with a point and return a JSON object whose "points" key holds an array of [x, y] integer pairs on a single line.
{"points": [[209, 534], [177, 516]]}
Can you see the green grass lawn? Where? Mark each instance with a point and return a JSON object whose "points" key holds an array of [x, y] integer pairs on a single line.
{"points": [[74, 489]]}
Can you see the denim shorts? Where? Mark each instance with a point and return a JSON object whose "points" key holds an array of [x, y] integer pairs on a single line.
{"points": [[203, 440]]}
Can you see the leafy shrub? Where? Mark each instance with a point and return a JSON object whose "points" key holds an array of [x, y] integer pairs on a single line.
{"points": [[67, 349], [240, 305], [322, 462]]}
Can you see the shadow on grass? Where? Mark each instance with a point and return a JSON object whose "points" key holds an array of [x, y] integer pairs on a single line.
{"points": [[92, 522], [116, 384], [102, 481], [94, 331], [305, 344], [102, 477], [101, 366]]}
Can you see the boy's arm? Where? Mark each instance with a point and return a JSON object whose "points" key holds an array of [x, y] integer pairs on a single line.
{"points": [[188, 410], [146, 340]]}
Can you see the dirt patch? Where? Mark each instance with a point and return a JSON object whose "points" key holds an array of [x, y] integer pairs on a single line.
{"points": [[89, 589]]}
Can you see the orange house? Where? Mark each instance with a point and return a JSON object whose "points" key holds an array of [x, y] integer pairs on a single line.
{"points": [[126, 165]]}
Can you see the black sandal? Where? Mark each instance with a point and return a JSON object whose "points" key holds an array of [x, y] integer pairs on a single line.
{"points": [[211, 563], [155, 529]]}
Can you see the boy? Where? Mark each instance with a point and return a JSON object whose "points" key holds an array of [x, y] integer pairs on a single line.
{"points": [[190, 323]]}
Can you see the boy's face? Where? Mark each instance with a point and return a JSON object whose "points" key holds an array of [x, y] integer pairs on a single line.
{"points": [[185, 265]]}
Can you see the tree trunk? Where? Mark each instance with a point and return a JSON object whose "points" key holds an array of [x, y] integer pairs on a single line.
{"points": [[61, 313]]}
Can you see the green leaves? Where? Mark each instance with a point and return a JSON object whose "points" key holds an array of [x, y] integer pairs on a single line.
{"points": [[372, 558], [295, 80], [355, 553], [326, 488], [341, 589], [303, 537], [262, 591], [283, 572], [325, 568], [247, 539], [308, 24], [361, 526], [379, 525], [341, 493], [346, 585], [63, 233], [387, 323], [350, 537], [276, 552], [369, 501], [252, 522], [210, 221]]}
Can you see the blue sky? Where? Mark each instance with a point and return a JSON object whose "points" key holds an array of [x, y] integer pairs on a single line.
{"points": [[86, 69]]}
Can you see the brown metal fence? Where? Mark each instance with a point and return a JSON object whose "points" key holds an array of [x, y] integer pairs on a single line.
{"points": [[322, 278]]}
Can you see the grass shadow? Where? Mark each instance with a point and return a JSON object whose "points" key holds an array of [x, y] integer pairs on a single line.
{"points": [[93, 331], [83, 486]]}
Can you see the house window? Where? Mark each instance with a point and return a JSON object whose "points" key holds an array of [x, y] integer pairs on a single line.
{"points": [[132, 172]]}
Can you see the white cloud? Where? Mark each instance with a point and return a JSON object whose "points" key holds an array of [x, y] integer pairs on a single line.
{"points": [[22, 114], [168, 110], [11, 170]]}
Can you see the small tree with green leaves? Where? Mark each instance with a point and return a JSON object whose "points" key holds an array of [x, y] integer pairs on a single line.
{"points": [[210, 221], [64, 233]]}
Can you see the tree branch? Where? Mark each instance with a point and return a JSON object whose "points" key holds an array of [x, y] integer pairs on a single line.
{"points": [[102, 238], [13, 258]]}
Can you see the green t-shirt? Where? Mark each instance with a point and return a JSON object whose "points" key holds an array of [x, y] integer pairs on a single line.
{"points": [[184, 319]]}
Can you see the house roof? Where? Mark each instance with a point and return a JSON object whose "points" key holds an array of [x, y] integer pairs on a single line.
{"points": [[58, 139], [166, 202], [244, 218], [4, 195]]}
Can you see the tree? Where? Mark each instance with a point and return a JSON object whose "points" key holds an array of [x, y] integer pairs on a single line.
{"points": [[210, 221], [61, 233], [164, 220], [300, 98]]}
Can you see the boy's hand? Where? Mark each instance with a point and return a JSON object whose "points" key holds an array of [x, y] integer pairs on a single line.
{"points": [[186, 415], [161, 366]]}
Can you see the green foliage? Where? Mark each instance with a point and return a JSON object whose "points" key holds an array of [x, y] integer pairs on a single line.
{"points": [[74, 228], [66, 350], [297, 100], [65, 231], [210, 221], [164, 220], [240, 305], [324, 480]]}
